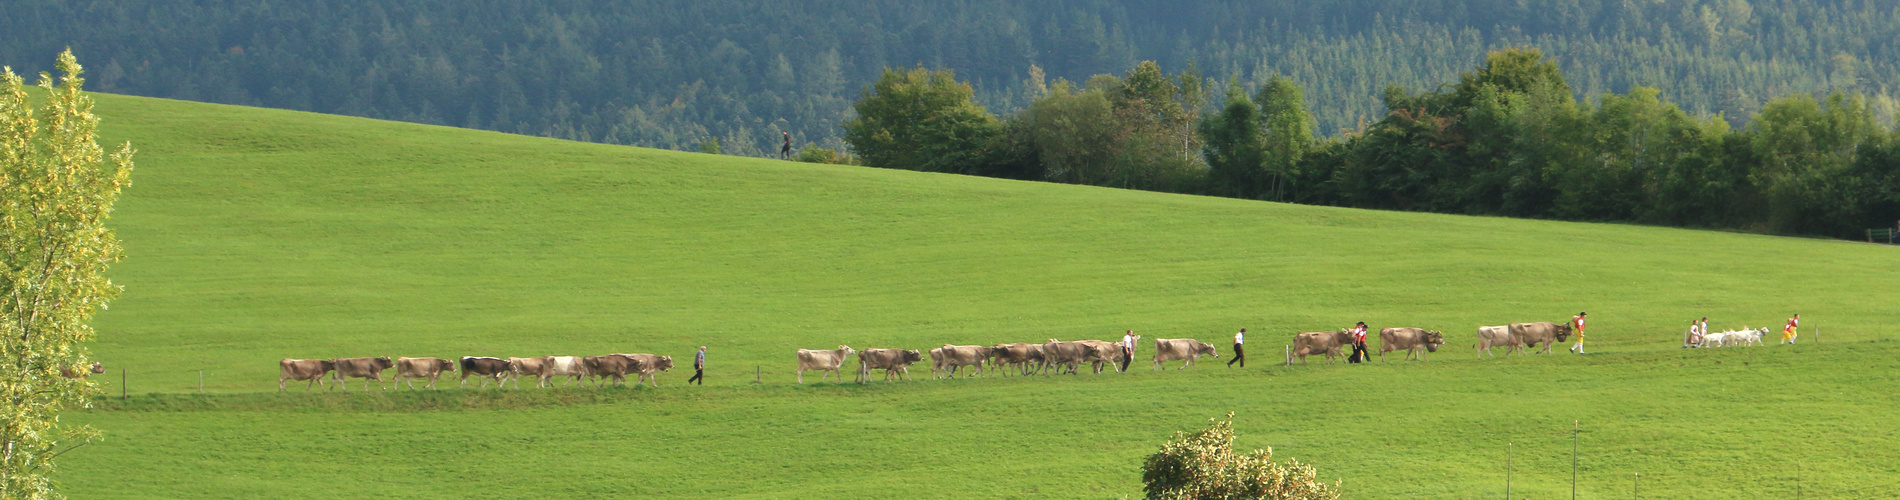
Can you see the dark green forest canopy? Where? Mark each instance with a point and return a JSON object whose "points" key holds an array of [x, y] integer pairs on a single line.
{"points": [[670, 74]]}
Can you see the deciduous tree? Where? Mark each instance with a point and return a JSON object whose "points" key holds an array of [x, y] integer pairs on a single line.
{"points": [[57, 187]]}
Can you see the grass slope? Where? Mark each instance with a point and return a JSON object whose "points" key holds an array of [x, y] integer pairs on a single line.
{"points": [[255, 234]]}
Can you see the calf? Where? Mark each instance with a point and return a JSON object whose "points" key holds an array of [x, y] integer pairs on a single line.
{"points": [[409, 369], [312, 370]]}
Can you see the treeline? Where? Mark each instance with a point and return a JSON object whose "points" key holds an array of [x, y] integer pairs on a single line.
{"points": [[1507, 138], [673, 74]]}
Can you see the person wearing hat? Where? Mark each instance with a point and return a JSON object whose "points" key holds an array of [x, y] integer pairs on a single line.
{"points": [[1576, 323], [1239, 355], [1359, 352], [699, 367]]}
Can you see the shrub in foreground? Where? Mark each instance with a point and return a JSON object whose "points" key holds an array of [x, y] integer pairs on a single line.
{"points": [[1203, 465]]}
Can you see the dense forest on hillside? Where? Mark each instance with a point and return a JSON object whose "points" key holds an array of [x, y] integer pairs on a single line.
{"points": [[672, 74], [1506, 138]]}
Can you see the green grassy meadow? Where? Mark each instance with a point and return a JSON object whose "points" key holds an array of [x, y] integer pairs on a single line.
{"points": [[253, 235]]}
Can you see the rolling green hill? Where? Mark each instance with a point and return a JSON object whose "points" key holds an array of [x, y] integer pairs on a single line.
{"points": [[253, 235]]}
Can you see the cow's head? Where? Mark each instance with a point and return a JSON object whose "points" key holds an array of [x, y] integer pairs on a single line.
{"points": [[666, 363], [1563, 332], [328, 364], [847, 350], [912, 356], [1206, 348], [98, 367], [1433, 339], [383, 363], [445, 365]]}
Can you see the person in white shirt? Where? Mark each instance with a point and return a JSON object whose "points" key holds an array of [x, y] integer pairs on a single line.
{"points": [[1239, 355], [1128, 348]]}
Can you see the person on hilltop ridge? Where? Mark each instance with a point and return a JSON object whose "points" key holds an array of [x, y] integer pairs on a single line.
{"points": [[1788, 332], [1239, 355], [785, 151], [1576, 323], [1359, 352]]}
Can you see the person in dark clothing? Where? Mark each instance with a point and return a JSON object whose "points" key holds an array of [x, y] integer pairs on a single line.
{"points": [[1240, 356], [785, 151], [699, 367], [1359, 353]]}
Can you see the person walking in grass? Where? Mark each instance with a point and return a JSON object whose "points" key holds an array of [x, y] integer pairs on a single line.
{"points": [[1128, 348], [1788, 332], [1240, 356], [699, 367], [1576, 323], [785, 151], [1694, 339], [1359, 353]]}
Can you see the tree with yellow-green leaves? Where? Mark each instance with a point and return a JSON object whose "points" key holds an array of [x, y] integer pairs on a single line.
{"points": [[57, 187]]}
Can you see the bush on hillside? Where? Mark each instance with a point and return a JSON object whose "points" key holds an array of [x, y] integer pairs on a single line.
{"points": [[1203, 465], [814, 154]]}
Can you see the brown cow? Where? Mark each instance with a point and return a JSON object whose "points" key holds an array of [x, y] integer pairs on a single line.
{"points": [[1328, 343], [1492, 336], [824, 360], [958, 356], [409, 369], [1181, 349], [486, 367], [1102, 351], [1409, 339], [1070, 354], [81, 372], [1020, 355], [1545, 332], [364, 368], [936, 362], [648, 366], [522, 366], [611, 366], [892, 361], [312, 370]]}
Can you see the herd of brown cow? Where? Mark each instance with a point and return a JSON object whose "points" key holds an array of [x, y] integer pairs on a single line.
{"points": [[544, 369], [1513, 337], [1023, 358], [948, 360]]}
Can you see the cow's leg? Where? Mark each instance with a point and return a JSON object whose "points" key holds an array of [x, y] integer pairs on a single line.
{"points": [[280, 384], [801, 376]]}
